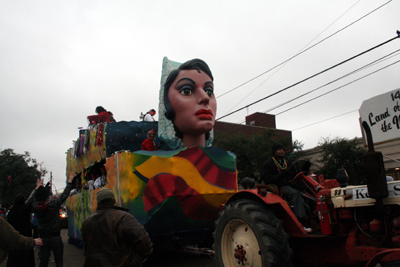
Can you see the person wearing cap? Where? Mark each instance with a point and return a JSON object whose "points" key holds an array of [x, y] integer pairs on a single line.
{"points": [[275, 171], [113, 237], [149, 115], [149, 144]]}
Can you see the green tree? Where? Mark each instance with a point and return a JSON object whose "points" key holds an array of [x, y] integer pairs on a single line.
{"points": [[252, 152], [340, 153], [18, 174]]}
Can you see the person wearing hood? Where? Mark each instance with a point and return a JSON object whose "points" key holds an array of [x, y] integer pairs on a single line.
{"points": [[275, 171], [47, 210]]}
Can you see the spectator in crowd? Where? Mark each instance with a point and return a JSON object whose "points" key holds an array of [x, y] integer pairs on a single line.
{"points": [[102, 116], [20, 217], [97, 183], [149, 144], [35, 226], [149, 115], [103, 176], [112, 237], [3, 213], [90, 184], [49, 225], [11, 240]]}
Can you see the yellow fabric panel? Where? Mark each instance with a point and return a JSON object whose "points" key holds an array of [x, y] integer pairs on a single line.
{"points": [[130, 186], [111, 173], [185, 169]]}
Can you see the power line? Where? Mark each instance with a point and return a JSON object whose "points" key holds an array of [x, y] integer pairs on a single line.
{"points": [[348, 74], [331, 82], [312, 76], [304, 50], [298, 53], [338, 88], [325, 120]]}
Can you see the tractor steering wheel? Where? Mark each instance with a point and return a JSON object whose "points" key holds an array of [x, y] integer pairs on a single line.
{"points": [[299, 167]]}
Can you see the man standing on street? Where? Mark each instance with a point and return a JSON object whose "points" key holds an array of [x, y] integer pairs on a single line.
{"points": [[47, 211], [112, 237]]}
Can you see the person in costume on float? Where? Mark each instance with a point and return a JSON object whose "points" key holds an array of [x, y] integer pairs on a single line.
{"points": [[275, 171], [190, 102], [102, 116], [111, 115], [149, 115], [149, 144]]}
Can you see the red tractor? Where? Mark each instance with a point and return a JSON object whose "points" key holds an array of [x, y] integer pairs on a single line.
{"points": [[352, 225]]}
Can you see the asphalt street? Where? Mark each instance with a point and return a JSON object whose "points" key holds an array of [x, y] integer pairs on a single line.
{"points": [[73, 257]]}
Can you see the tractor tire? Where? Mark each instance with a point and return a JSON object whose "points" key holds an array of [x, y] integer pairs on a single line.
{"points": [[248, 234]]}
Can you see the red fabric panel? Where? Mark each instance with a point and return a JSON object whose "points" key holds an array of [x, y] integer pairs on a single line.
{"points": [[167, 185], [210, 172], [100, 129]]}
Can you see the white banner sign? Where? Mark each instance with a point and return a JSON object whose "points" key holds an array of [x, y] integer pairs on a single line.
{"points": [[362, 193], [382, 114]]}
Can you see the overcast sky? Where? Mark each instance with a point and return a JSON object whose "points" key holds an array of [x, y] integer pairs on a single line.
{"points": [[61, 59]]}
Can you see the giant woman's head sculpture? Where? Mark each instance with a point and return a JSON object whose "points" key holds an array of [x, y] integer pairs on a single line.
{"points": [[188, 103]]}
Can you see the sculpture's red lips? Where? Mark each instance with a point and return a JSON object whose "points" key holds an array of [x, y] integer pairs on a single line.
{"points": [[204, 114]]}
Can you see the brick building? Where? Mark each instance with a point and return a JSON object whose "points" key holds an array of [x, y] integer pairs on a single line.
{"points": [[255, 123]]}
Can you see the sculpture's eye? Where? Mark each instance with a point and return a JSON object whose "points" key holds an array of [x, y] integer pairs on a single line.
{"points": [[186, 90], [209, 91]]}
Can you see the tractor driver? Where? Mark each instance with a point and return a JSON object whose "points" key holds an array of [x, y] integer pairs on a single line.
{"points": [[275, 171]]}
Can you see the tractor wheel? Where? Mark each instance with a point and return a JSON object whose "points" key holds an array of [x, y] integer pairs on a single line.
{"points": [[248, 234]]}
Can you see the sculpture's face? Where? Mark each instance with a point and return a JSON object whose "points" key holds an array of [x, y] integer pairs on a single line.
{"points": [[192, 98]]}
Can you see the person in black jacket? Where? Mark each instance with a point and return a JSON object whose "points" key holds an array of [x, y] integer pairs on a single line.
{"points": [[11, 240], [113, 237], [20, 218], [275, 171], [48, 215]]}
